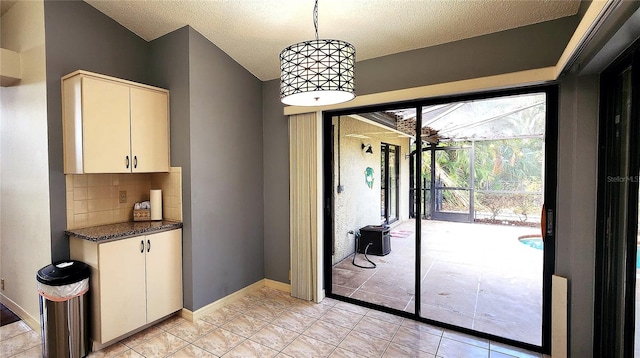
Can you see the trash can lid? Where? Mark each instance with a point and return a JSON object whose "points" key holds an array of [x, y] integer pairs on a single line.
{"points": [[63, 273]]}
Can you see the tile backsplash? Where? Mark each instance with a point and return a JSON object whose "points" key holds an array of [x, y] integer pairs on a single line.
{"points": [[171, 185], [93, 199]]}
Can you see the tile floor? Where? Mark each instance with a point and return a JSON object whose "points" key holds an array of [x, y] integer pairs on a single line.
{"points": [[270, 323], [475, 276]]}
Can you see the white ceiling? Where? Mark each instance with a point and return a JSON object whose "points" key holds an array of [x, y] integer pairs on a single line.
{"points": [[253, 32]]}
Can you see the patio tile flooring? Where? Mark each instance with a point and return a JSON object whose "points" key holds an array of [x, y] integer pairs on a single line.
{"points": [[476, 276]]}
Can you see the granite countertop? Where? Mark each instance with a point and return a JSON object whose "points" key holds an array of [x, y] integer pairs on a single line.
{"points": [[119, 231]]}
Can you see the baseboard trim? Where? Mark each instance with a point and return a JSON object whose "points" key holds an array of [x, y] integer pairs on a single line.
{"points": [[24, 316], [281, 286], [198, 314], [184, 313]]}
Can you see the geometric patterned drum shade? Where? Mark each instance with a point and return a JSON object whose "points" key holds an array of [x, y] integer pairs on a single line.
{"points": [[317, 73]]}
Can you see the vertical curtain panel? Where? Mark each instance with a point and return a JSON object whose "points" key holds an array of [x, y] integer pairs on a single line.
{"points": [[305, 205]]}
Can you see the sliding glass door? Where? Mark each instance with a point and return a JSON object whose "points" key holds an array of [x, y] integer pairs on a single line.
{"points": [[443, 225], [369, 262], [616, 328]]}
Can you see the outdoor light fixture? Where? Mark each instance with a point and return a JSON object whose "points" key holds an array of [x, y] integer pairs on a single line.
{"points": [[367, 148], [317, 72]]}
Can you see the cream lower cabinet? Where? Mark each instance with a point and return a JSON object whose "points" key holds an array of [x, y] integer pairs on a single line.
{"points": [[134, 281]]}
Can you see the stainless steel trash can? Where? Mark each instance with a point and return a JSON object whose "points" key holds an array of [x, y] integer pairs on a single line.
{"points": [[63, 288]]}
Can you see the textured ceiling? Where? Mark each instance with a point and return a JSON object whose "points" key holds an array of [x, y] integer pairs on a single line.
{"points": [[253, 32], [5, 5]]}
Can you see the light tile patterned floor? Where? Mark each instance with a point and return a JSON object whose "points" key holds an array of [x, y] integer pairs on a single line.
{"points": [[270, 323]]}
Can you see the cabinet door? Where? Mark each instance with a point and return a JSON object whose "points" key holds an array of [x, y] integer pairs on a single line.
{"points": [[164, 274], [122, 287], [105, 127], [149, 131]]}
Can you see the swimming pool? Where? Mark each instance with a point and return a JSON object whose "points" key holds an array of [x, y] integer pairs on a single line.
{"points": [[537, 243], [534, 242]]}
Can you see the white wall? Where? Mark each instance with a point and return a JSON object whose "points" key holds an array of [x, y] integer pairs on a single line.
{"points": [[358, 205], [25, 242]]}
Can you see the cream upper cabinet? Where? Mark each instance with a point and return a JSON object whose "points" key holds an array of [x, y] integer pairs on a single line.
{"points": [[105, 126], [113, 126], [149, 140]]}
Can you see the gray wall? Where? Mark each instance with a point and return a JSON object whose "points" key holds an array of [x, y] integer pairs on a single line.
{"points": [[276, 184], [226, 173], [169, 68], [79, 37], [528, 47]]}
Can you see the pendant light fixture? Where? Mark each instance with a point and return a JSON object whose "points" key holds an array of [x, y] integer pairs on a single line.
{"points": [[317, 72]]}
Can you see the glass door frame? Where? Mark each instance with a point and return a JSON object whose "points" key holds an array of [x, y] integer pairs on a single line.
{"points": [[615, 295], [549, 208], [385, 149], [436, 213]]}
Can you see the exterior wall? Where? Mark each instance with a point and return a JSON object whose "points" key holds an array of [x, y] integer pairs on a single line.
{"points": [[24, 165], [358, 205]]}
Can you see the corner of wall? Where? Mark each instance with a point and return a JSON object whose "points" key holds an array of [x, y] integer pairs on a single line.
{"points": [[24, 186]]}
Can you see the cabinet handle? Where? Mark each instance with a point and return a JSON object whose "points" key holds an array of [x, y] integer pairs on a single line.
{"points": [[148, 245], [127, 162], [135, 161], [142, 246]]}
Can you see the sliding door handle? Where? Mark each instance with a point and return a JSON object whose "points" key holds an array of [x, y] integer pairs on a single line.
{"points": [[546, 222], [543, 221]]}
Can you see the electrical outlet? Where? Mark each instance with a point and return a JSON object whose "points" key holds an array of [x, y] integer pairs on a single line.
{"points": [[2, 284], [123, 196]]}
